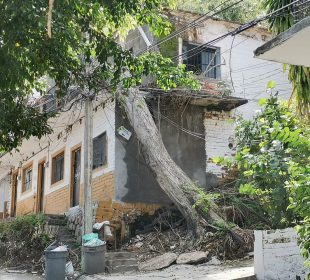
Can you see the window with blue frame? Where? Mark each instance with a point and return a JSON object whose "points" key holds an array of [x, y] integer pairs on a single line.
{"points": [[203, 62]]}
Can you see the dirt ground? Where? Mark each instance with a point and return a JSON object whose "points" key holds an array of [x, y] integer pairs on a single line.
{"points": [[226, 271]]}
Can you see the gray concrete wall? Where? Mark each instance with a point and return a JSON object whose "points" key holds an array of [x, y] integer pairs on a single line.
{"points": [[177, 126], [134, 180]]}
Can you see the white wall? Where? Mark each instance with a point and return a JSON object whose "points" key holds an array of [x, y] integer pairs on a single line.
{"points": [[249, 75], [218, 134], [34, 150], [277, 255], [4, 191]]}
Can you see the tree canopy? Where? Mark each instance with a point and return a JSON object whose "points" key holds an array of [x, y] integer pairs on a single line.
{"points": [[245, 11], [83, 33]]}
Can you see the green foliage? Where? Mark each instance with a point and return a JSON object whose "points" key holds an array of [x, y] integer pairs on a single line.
{"points": [[243, 12], [82, 32], [25, 232], [298, 75], [273, 159], [170, 47], [205, 200]]}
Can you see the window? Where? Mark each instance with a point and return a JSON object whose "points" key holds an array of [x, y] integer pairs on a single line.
{"points": [[58, 167], [27, 179], [205, 62], [100, 150]]}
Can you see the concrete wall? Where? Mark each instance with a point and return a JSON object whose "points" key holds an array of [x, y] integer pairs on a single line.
{"points": [[134, 180], [184, 130], [277, 255], [4, 195]]}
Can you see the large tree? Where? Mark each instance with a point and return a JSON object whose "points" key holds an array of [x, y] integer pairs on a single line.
{"points": [[77, 43]]}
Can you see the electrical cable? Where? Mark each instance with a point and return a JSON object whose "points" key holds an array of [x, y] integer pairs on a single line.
{"points": [[190, 25], [236, 31]]}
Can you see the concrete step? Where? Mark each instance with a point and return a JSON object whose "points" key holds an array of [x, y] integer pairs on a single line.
{"points": [[120, 255], [125, 268], [56, 221], [121, 262]]}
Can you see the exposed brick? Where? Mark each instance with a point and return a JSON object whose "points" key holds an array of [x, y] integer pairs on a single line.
{"points": [[58, 202], [25, 206]]}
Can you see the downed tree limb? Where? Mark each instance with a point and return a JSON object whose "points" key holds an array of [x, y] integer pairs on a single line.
{"points": [[171, 178]]}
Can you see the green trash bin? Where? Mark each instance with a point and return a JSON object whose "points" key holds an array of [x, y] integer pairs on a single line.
{"points": [[55, 263], [94, 258]]}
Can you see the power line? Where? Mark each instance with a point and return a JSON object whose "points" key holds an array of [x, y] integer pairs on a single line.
{"points": [[238, 30], [190, 25]]}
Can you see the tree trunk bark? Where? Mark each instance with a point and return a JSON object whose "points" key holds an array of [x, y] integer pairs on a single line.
{"points": [[171, 178]]}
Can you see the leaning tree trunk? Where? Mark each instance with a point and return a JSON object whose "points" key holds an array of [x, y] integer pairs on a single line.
{"points": [[171, 178]]}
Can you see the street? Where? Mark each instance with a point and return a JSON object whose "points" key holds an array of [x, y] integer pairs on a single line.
{"points": [[231, 271]]}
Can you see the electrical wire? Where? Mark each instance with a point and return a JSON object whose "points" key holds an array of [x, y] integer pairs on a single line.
{"points": [[190, 25], [236, 31]]}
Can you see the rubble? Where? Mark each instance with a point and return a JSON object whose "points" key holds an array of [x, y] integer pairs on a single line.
{"points": [[192, 257], [158, 262], [75, 221], [214, 261]]}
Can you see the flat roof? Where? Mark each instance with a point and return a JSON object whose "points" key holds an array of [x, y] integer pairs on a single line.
{"points": [[201, 98], [290, 47]]}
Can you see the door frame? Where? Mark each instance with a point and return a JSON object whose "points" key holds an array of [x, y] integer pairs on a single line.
{"points": [[39, 185], [72, 151], [14, 186]]}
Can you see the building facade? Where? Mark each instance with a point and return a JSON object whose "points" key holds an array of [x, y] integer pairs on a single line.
{"points": [[46, 175]]}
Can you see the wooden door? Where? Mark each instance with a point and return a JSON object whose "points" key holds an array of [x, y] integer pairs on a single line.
{"points": [[40, 189], [14, 194], [75, 177]]}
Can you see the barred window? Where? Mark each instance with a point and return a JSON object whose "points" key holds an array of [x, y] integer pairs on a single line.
{"points": [[100, 150]]}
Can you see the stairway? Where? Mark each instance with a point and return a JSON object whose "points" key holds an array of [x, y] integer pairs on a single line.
{"points": [[58, 225], [120, 262]]}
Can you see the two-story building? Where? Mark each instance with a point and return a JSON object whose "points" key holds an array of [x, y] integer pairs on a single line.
{"points": [[46, 175]]}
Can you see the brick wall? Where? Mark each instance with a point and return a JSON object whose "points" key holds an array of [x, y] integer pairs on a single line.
{"points": [[219, 132], [25, 206], [58, 201], [103, 187], [121, 215]]}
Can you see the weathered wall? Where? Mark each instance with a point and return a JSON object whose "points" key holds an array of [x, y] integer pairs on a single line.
{"points": [[186, 149], [4, 195], [182, 131], [26, 206], [134, 179], [219, 131], [277, 255], [249, 75]]}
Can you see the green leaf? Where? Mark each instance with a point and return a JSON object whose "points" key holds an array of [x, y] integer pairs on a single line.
{"points": [[271, 84]]}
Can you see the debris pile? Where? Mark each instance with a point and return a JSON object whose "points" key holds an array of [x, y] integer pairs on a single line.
{"points": [[75, 221], [163, 236]]}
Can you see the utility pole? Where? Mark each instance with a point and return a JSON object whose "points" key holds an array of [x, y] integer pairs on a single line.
{"points": [[88, 165]]}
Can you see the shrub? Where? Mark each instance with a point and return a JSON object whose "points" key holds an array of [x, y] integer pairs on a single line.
{"points": [[273, 159]]}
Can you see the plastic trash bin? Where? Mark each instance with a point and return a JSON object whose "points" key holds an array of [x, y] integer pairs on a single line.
{"points": [[94, 258], [55, 263]]}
